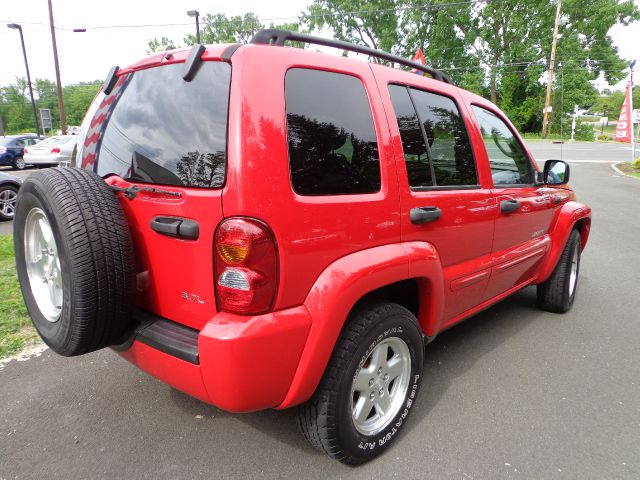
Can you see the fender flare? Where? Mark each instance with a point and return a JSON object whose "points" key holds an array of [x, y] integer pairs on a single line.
{"points": [[571, 213], [346, 281]]}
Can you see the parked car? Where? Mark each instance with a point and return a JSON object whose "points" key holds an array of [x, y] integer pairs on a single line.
{"points": [[293, 234], [12, 149], [51, 151], [9, 186]]}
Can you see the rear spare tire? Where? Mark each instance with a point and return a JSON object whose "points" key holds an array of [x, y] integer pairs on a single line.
{"points": [[74, 258]]}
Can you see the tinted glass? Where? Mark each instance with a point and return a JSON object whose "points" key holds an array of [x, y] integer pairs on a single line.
{"points": [[451, 153], [56, 140], [509, 162], [332, 140], [167, 131], [413, 144]]}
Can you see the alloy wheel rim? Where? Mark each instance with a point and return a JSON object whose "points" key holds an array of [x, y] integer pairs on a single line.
{"points": [[43, 265], [20, 163], [573, 275], [8, 203], [380, 386]]}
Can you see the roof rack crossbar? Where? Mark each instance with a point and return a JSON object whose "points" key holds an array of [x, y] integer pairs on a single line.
{"points": [[272, 36]]}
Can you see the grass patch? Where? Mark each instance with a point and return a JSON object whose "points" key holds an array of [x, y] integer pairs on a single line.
{"points": [[631, 169], [16, 330], [536, 136]]}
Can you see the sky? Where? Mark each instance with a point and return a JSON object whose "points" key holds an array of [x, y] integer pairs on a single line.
{"points": [[89, 56]]}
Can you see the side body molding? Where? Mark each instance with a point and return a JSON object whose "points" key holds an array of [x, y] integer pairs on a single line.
{"points": [[346, 281], [563, 223]]}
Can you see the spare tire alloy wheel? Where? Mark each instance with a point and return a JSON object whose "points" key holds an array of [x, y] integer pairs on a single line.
{"points": [[8, 195], [43, 264], [74, 258], [369, 386]]}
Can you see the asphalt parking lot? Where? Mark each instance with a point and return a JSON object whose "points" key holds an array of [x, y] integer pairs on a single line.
{"points": [[513, 392]]}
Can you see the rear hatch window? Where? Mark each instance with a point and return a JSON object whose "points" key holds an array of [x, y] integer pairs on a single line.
{"points": [[156, 128]]}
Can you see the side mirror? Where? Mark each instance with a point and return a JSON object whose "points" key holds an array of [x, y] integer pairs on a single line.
{"points": [[555, 172]]}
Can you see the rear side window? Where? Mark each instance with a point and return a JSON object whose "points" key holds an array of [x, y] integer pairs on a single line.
{"points": [[509, 163], [449, 158], [416, 156], [162, 129], [333, 148]]}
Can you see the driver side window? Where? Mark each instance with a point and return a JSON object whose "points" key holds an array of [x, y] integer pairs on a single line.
{"points": [[509, 163]]}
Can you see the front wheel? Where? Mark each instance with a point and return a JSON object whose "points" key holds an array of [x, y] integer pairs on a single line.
{"points": [[8, 195], [558, 292], [369, 386]]}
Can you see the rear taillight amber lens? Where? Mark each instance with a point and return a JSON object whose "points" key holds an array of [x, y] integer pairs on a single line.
{"points": [[246, 266]]}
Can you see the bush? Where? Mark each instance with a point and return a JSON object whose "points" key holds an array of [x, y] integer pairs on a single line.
{"points": [[583, 132], [603, 138]]}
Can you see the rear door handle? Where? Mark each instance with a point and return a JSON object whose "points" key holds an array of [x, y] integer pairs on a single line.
{"points": [[424, 214], [176, 227], [508, 206]]}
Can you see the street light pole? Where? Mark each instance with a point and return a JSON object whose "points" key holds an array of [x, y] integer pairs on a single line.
{"points": [[63, 120], [195, 13], [26, 66]]}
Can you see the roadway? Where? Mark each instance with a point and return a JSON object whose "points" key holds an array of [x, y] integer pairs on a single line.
{"points": [[513, 392]]}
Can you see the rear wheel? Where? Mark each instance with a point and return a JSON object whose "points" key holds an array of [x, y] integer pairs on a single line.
{"points": [[18, 163], [8, 195], [369, 386], [558, 292], [74, 258]]}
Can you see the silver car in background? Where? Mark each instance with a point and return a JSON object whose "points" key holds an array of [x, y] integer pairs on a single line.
{"points": [[51, 151]]}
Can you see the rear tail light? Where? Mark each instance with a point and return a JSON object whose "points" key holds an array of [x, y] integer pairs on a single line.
{"points": [[55, 150], [25, 150], [246, 266]]}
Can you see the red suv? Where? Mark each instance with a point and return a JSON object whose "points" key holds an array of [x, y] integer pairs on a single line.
{"points": [[268, 227]]}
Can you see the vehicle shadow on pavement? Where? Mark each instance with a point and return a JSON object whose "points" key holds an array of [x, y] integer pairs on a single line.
{"points": [[447, 357], [458, 349]]}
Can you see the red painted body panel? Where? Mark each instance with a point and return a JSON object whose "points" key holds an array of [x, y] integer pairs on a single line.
{"points": [[565, 220], [333, 250], [181, 375], [248, 363], [167, 267], [340, 286], [237, 356], [312, 232]]}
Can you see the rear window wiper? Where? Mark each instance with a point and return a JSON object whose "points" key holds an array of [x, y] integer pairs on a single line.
{"points": [[132, 191]]}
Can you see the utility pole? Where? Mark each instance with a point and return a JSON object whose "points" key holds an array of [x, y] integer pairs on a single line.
{"points": [[552, 61], [63, 120]]}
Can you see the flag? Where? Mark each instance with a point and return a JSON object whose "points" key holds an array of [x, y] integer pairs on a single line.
{"points": [[419, 58], [624, 127]]}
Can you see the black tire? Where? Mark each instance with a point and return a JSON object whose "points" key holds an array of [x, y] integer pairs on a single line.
{"points": [[95, 254], [18, 163], [326, 419], [7, 206], [556, 293]]}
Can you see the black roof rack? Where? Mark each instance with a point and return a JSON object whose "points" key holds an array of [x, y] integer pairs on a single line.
{"points": [[272, 36]]}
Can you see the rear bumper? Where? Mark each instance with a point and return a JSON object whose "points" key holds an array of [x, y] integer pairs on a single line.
{"points": [[46, 159], [236, 363]]}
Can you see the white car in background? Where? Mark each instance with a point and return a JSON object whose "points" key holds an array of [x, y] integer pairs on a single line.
{"points": [[51, 151]]}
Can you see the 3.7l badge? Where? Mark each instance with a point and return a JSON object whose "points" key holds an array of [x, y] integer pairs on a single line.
{"points": [[192, 297]]}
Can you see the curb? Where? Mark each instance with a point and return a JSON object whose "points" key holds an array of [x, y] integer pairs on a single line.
{"points": [[615, 168]]}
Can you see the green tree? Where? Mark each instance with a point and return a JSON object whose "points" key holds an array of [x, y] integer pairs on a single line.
{"points": [[161, 45], [77, 99], [219, 28], [499, 49]]}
